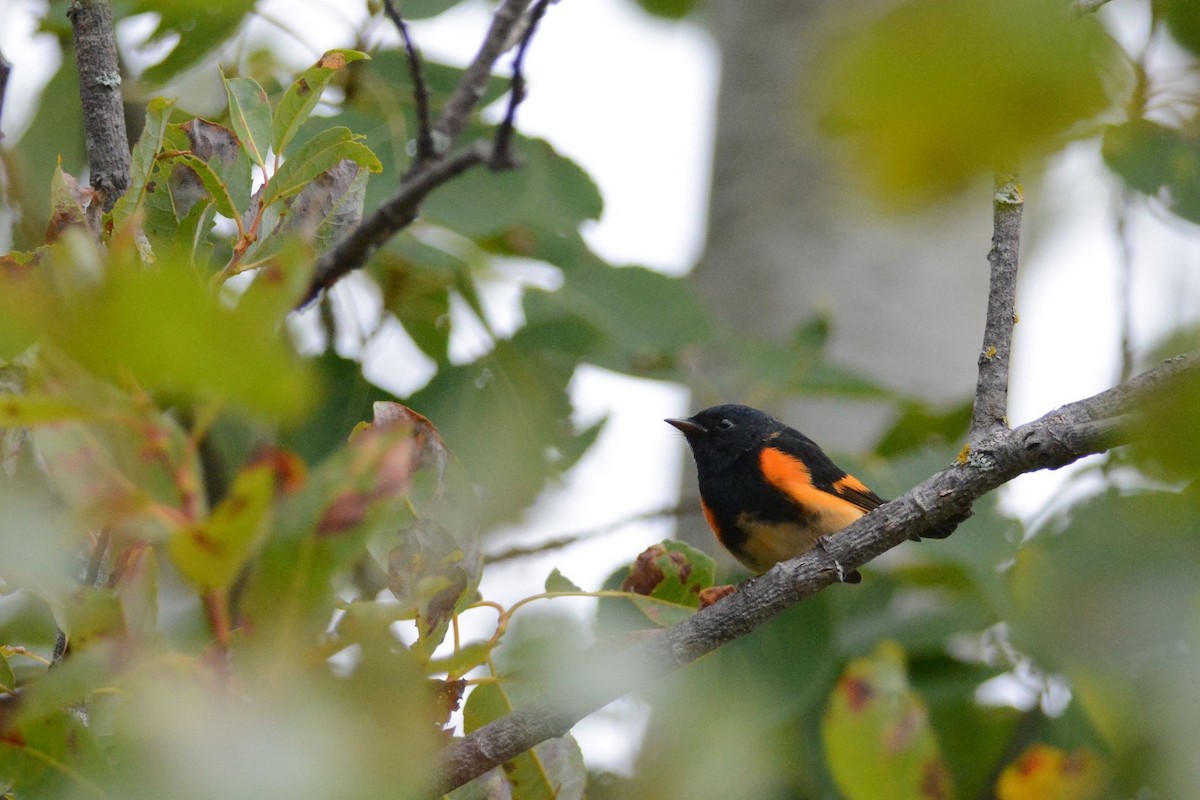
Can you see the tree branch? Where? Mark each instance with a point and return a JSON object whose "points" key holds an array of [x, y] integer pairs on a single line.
{"points": [[5, 69], [474, 81], [991, 390], [100, 94], [401, 209], [502, 157], [394, 215], [425, 144], [1057, 439]]}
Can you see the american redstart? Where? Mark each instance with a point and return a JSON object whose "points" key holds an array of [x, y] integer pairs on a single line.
{"points": [[769, 492]]}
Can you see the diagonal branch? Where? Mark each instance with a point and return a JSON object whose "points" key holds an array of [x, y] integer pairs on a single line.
{"points": [[100, 94], [394, 215], [1057, 439], [425, 143], [470, 88], [502, 150], [399, 211], [5, 69], [991, 390]]}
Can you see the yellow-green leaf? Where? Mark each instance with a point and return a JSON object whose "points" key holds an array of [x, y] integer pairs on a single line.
{"points": [[212, 552], [877, 736], [323, 152], [170, 331], [1044, 772], [23, 410], [158, 117], [304, 94]]}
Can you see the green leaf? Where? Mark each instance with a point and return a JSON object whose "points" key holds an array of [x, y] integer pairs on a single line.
{"points": [[198, 27], [1183, 21], [557, 582], [644, 320], [54, 134], [1158, 161], [878, 741], [323, 528], [463, 660], [663, 586], [549, 192], [919, 426], [670, 9], [671, 571], [320, 154], [305, 92], [250, 115], [212, 552], [145, 153], [505, 414], [170, 331], [8, 681]]}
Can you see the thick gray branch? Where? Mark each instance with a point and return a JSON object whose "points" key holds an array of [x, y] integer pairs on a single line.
{"points": [[467, 94], [1057, 439], [100, 94], [991, 391]]}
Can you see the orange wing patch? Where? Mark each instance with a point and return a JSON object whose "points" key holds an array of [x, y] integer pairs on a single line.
{"points": [[857, 493], [792, 477]]}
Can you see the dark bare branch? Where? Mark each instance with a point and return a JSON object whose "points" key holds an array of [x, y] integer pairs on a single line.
{"points": [[445, 164], [5, 69], [502, 156], [393, 216], [100, 94], [991, 390], [425, 144], [1057, 439]]}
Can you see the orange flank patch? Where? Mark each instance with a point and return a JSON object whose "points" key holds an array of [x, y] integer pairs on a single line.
{"points": [[711, 520], [790, 475]]}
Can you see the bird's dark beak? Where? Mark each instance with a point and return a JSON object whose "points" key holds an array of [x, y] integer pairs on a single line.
{"points": [[687, 426]]}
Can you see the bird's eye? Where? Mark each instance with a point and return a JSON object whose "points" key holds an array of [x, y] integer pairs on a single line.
{"points": [[725, 424]]}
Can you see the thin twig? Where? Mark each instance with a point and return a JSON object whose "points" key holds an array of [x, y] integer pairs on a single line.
{"points": [[426, 148], [566, 540], [390, 218], [1057, 439], [5, 70], [401, 209], [1125, 283], [502, 155], [991, 390], [100, 95], [474, 81]]}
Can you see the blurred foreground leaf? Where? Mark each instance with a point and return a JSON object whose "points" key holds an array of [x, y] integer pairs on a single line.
{"points": [[878, 741], [934, 93]]}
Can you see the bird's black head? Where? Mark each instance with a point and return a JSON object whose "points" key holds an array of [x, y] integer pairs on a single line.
{"points": [[719, 435]]}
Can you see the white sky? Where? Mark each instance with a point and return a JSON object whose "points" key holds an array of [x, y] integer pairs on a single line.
{"points": [[595, 66]]}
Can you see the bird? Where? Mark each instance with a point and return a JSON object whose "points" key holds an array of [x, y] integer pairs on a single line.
{"points": [[769, 492]]}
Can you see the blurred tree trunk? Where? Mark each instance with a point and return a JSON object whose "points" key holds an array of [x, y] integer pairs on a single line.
{"points": [[787, 240]]}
